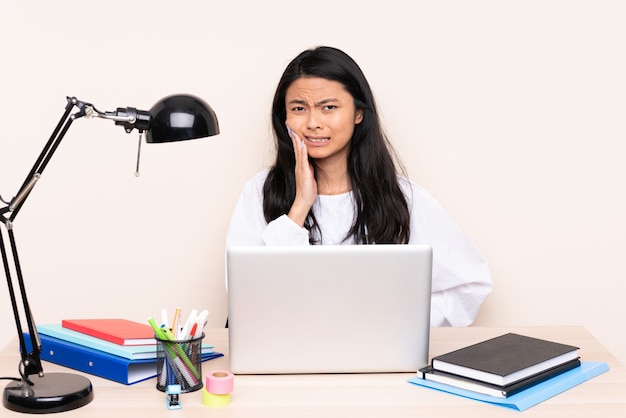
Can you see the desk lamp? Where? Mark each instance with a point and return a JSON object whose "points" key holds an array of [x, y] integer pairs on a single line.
{"points": [[173, 118]]}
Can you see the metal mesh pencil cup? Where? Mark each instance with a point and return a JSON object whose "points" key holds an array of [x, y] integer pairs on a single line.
{"points": [[179, 362]]}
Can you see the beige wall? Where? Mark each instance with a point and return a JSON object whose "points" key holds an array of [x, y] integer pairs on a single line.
{"points": [[512, 113]]}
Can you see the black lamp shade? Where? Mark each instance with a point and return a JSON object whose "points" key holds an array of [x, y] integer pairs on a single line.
{"points": [[181, 117]]}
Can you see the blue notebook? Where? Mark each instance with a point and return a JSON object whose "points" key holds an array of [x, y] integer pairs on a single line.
{"points": [[531, 396], [99, 363]]}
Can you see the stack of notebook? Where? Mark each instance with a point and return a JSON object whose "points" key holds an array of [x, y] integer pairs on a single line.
{"points": [[116, 349], [503, 365], [510, 370]]}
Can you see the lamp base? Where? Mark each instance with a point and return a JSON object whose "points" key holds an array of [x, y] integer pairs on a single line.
{"points": [[54, 392]]}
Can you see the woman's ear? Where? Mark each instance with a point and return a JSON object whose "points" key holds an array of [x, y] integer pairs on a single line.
{"points": [[358, 117]]}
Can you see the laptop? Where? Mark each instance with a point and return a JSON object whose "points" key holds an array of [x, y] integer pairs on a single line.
{"points": [[329, 308]]}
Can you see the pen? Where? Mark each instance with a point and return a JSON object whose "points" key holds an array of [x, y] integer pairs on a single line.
{"points": [[175, 321], [179, 351], [180, 364], [174, 367]]}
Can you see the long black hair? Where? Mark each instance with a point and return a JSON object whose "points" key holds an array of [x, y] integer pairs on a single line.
{"points": [[382, 214]]}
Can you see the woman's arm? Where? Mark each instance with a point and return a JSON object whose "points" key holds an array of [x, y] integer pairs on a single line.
{"points": [[249, 227], [461, 276]]}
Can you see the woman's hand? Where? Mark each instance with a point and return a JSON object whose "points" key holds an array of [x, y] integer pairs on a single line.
{"points": [[306, 186]]}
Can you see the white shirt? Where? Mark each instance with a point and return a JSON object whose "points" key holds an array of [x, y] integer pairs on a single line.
{"points": [[461, 277]]}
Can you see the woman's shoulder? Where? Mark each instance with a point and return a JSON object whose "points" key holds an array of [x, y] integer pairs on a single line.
{"points": [[258, 180], [416, 195], [409, 187]]}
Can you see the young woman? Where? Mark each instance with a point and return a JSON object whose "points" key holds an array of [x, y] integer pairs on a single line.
{"points": [[336, 180]]}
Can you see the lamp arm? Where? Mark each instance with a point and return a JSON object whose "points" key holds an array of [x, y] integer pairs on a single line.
{"points": [[30, 361], [129, 118], [42, 161]]}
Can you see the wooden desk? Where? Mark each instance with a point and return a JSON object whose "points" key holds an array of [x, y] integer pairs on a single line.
{"points": [[359, 395]]}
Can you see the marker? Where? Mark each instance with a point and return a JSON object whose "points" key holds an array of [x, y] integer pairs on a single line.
{"points": [[201, 321], [157, 330], [184, 333], [164, 319], [194, 346]]}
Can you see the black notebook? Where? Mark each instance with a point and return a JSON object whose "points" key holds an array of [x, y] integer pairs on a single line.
{"points": [[506, 359], [466, 383]]}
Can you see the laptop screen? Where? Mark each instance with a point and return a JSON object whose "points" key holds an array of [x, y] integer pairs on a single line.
{"points": [[329, 309]]}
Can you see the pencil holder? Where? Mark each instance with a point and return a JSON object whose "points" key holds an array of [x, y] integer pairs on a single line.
{"points": [[179, 362]]}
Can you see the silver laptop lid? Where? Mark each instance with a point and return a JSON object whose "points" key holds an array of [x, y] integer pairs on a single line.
{"points": [[329, 309]]}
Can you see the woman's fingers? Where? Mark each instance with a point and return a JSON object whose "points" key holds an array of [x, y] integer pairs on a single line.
{"points": [[306, 186]]}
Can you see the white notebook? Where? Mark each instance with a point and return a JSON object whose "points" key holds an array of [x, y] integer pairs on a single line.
{"points": [[329, 309]]}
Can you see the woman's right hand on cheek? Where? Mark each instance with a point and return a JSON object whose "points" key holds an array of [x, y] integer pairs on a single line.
{"points": [[306, 186]]}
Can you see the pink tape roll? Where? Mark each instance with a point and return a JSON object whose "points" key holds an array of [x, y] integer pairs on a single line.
{"points": [[219, 382]]}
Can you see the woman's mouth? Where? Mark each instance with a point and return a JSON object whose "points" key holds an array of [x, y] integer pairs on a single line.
{"points": [[317, 140]]}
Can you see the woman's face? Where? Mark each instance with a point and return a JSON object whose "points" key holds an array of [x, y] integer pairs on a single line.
{"points": [[323, 114]]}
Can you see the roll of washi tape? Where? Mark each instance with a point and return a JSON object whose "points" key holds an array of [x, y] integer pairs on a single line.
{"points": [[219, 382], [213, 400]]}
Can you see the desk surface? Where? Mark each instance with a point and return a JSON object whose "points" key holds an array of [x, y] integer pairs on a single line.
{"points": [[356, 395]]}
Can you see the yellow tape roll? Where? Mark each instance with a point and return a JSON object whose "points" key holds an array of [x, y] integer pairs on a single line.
{"points": [[212, 400]]}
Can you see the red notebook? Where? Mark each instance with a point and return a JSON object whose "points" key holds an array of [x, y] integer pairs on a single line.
{"points": [[118, 331]]}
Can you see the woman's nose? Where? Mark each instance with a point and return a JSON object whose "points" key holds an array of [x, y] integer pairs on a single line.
{"points": [[314, 120]]}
